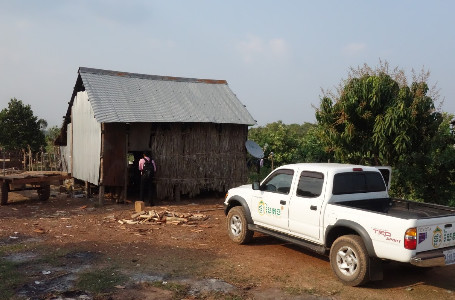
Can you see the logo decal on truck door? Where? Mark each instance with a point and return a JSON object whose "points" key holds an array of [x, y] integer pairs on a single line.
{"points": [[264, 209]]}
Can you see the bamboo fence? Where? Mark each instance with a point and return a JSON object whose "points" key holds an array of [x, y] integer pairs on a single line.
{"points": [[196, 157], [25, 160]]}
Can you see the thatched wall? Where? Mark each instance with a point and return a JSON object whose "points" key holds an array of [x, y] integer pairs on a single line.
{"points": [[194, 157]]}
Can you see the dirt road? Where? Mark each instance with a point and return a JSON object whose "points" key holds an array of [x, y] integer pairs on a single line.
{"points": [[67, 248]]}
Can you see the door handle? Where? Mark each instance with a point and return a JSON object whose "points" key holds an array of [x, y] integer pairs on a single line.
{"points": [[282, 202], [313, 207]]}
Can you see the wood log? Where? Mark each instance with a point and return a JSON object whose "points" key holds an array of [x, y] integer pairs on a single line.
{"points": [[176, 219]]}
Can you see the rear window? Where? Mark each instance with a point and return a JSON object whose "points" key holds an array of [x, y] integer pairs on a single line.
{"points": [[358, 182]]}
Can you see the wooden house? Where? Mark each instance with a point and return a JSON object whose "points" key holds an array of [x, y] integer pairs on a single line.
{"points": [[195, 130]]}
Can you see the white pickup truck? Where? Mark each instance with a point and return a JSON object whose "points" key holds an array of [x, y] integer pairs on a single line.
{"points": [[343, 210]]}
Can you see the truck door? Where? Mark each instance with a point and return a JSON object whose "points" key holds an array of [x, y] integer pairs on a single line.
{"points": [[305, 206], [270, 203]]}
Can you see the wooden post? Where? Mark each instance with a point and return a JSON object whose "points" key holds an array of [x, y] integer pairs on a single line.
{"points": [[88, 189], [4, 189], [101, 195], [3, 167], [30, 159], [125, 185], [42, 159], [72, 144], [25, 159], [101, 190]]}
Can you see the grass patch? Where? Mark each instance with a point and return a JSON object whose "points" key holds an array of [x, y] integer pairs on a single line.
{"points": [[53, 257], [179, 290], [100, 281], [296, 291], [222, 296], [13, 248], [233, 297], [10, 279]]}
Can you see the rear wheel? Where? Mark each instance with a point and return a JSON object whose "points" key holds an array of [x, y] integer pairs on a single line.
{"points": [[44, 192], [237, 226], [349, 260]]}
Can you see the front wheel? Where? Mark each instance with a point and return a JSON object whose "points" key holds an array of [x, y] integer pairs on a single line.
{"points": [[237, 226], [349, 260]]}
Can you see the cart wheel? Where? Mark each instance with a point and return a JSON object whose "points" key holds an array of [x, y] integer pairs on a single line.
{"points": [[44, 191], [4, 193]]}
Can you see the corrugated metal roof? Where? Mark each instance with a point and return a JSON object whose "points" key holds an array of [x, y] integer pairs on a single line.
{"points": [[128, 97]]}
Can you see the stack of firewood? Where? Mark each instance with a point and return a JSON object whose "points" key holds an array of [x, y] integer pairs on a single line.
{"points": [[164, 217]]}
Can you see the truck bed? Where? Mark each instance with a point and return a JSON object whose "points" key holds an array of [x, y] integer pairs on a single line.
{"points": [[400, 208]]}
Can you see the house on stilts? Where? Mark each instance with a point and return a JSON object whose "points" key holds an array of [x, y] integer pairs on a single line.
{"points": [[195, 130]]}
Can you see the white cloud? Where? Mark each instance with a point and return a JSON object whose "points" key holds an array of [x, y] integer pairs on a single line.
{"points": [[354, 48], [278, 47], [255, 48]]}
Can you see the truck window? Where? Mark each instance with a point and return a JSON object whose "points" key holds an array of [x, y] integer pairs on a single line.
{"points": [[310, 184], [279, 182], [358, 182]]}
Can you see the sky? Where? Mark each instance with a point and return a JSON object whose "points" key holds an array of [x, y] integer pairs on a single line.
{"points": [[277, 56]]}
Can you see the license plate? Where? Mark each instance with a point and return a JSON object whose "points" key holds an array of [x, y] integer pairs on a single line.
{"points": [[449, 256]]}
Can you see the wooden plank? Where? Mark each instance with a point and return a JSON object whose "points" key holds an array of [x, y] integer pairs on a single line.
{"points": [[29, 178]]}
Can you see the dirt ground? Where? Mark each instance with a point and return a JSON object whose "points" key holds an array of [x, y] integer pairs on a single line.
{"points": [[69, 248]]}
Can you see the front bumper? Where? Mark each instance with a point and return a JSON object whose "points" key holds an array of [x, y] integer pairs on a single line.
{"points": [[433, 258]]}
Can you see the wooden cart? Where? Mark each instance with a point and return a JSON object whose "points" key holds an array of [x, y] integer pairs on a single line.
{"points": [[33, 180]]}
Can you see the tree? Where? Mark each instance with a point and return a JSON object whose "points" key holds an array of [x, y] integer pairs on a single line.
{"points": [[377, 119], [430, 176], [20, 128], [287, 142], [51, 135], [312, 147]]}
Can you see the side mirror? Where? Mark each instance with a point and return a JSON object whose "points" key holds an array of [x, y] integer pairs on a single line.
{"points": [[256, 186]]}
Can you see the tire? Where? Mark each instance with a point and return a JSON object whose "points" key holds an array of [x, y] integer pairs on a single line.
{"points": [[237, 226], [44, 192], [349, 260], [4, 189]]}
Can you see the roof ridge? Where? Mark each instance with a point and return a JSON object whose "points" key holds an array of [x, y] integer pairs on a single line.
{"points": [[149, 77]]}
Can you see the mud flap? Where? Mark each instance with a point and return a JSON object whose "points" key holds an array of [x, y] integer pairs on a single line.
{"points": [[376, 270]]}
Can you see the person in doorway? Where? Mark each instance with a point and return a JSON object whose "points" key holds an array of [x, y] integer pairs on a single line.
{"points": [[147, 167]]}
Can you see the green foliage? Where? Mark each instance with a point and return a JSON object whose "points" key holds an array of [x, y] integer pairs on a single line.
{"points": [[289, 143], [429, 176], [20, 128], [379, 120], [312, 148], [255, 176], [51, 135]]}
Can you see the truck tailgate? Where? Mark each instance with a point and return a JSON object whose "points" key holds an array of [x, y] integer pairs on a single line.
{"points": [[437, 234]]}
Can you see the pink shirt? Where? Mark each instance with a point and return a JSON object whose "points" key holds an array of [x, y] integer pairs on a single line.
{"points": [[142, 161]]}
